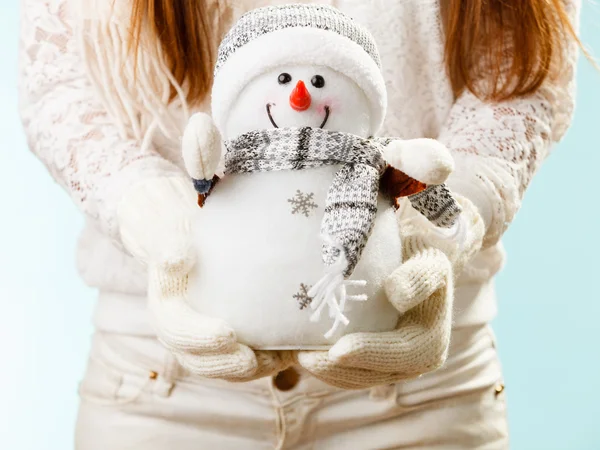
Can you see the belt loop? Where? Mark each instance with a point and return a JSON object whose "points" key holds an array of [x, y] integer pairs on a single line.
{"points": [[171, 372], [173, 369], [383, 392]]}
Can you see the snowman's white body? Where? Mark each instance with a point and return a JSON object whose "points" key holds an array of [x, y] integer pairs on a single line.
{"points": [[259, 248], [255, 254]]}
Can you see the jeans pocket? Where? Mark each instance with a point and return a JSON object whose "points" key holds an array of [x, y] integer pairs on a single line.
{"points": [[104, 384]]}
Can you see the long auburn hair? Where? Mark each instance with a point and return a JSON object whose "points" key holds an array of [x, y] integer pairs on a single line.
{"points": [[512, 46]]}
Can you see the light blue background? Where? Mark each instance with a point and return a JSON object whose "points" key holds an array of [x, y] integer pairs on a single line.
{"points": [[548, 324]]}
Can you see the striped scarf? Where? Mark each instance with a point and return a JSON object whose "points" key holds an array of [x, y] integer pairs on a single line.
{"points": [[351, 204]]}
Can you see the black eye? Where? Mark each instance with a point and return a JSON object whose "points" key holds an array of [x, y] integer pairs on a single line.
{"points": [[318, 81], [284, 78]]}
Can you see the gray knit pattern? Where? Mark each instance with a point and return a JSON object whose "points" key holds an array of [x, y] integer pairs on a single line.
{"points": [[437, 204], [351, 204], [265, 20]]}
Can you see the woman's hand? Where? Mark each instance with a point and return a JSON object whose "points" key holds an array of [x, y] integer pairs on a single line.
{"points": [[154, 220], [422, 291]]}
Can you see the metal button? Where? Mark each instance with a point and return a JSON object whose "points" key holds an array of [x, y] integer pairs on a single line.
{"points": [[498, 389], [286, 380], [153, 375]]}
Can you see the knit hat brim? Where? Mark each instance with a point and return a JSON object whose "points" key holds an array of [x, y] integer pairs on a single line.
{"points": [[298, 46]]}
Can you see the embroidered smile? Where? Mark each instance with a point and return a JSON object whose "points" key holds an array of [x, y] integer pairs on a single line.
{"points": [[269, 105]]}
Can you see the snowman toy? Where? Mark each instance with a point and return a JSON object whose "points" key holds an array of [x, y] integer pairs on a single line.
{"points": [[295, 241]]}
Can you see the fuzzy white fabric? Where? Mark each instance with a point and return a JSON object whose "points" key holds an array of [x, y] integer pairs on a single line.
{"points": [[426, 160], [201, 147], [311, 47], [258, 241]]}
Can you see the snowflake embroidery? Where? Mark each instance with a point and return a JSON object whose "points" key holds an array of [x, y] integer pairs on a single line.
{"points": [[302, 296], [303, 203]]}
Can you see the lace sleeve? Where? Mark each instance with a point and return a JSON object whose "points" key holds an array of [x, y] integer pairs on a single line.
{"points": [[66, 125], [499, 147]]}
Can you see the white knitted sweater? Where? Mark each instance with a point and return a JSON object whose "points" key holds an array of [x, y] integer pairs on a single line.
{"points": [[98, 134]]}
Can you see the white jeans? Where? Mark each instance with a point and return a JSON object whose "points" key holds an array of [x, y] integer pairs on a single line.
{"points": [[135, 396]]}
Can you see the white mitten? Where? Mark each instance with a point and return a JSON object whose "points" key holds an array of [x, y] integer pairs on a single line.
{"points": [[201, 148], [421, 289], [154, 219], [425, 160], [154, 222]]}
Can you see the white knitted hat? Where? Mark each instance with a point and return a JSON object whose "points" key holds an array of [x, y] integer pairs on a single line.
{"points": [[297, 34]]}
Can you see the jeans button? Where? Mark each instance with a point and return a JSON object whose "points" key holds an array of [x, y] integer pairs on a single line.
{"points": [[498, 389], [286, 380]]}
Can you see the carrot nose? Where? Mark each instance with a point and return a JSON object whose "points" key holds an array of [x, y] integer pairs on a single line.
{"points": [[300, 97]]}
